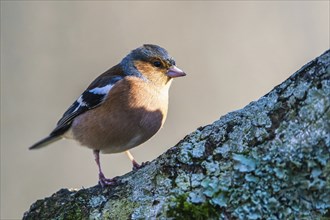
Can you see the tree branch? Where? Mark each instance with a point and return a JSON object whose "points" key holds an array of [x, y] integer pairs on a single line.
{"points": [[270, 159]]}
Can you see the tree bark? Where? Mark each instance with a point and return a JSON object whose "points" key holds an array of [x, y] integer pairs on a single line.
{"points": [[269, 160]]}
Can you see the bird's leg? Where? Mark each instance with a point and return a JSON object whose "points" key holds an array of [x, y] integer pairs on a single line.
{"points": [[102, 180], [135, 164]]}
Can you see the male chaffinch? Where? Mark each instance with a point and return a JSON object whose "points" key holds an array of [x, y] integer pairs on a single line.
{"points": [[122, 108]]}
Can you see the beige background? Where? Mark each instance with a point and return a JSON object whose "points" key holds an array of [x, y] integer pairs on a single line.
{"points": [[233, 52]]}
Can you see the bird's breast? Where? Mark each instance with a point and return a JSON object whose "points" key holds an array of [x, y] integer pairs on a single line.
{"points": [[132, 113]]}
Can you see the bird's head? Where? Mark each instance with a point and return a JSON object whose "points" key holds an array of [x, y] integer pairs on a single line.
{"points": [[153, 63]]}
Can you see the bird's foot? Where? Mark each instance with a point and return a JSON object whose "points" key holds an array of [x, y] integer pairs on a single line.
{"points": [[103, 181], [137, 166]]}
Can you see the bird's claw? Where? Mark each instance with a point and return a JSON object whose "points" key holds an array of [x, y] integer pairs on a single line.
{"points": [[103, 181], [137, 166]]}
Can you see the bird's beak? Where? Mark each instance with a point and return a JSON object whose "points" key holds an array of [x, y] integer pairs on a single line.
{"points": [[174, 72]]}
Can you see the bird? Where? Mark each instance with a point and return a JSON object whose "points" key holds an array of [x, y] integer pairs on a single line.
{"points": [[122, 108]]}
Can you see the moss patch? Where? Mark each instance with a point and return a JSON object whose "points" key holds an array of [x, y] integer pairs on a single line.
{"points": [[182, 209]]}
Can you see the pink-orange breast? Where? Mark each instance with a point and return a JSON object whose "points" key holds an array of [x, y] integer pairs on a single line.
{"points": [[133, 112]]}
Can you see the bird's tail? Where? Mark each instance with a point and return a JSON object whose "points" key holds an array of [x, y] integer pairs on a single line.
{"points": [[47, 140]]}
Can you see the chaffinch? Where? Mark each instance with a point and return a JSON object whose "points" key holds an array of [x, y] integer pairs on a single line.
{"points": [[122, 108]]}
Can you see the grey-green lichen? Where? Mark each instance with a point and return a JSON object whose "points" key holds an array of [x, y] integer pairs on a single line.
{"points": [[269, 160], [276, 155]]}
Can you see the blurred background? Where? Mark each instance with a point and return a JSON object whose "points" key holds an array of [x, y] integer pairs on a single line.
{"points": [[233, 53]]}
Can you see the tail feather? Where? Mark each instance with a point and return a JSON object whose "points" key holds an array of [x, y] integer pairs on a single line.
{"points": [[42, 143]]}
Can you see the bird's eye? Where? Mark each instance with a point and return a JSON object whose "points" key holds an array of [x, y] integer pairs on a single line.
{"points": [[157, 64]]}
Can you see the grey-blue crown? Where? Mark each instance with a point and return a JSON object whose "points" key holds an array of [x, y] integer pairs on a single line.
{"points": [[148, 51]]}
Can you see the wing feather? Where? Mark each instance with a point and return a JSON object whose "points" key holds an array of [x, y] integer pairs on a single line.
{"points": [[89, 99]]}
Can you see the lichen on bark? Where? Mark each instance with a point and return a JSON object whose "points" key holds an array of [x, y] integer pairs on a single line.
{"points": [[269, 160]]}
